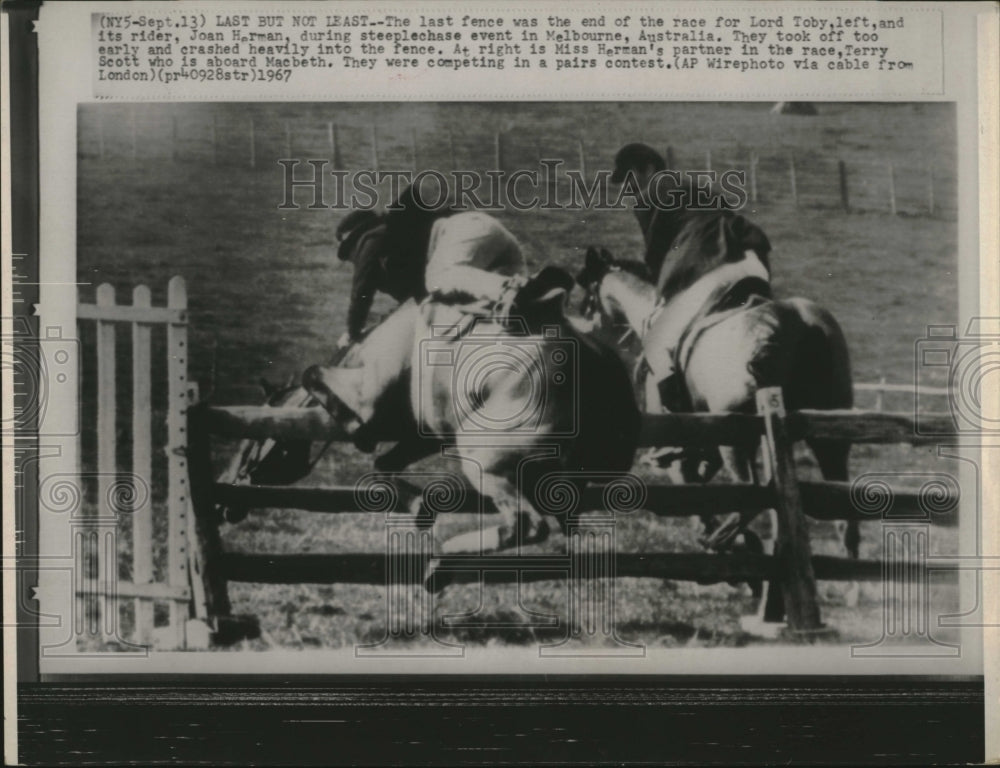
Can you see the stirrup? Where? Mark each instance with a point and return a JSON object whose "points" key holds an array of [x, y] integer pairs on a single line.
{"points": [[344, 415]]}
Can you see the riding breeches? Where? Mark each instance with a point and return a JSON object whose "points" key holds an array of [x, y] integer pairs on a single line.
{"points": [[472, 253]]}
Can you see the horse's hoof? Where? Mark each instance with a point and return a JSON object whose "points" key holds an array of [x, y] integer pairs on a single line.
{"points": [[756, 626], [723, 536], [364, 441], [753, 545], [852, 595], [537, 534], [435, 581], [235, 515], [386, 462]]}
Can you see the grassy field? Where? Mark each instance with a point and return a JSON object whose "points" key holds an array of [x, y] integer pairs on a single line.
{"points": [[268, 296]]}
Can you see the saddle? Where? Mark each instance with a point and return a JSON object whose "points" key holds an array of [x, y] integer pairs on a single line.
{"points": [[458, 336], [530, 306], [741, 296]]}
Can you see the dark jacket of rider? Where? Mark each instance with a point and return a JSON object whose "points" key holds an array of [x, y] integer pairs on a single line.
{"points": [[389, 253], [677, 219]]}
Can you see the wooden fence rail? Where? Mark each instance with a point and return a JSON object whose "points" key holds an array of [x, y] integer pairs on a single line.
{"points": [[194, 582], [821, 500], [663, 500], [793, 567], [371, 568], [682, 430]]}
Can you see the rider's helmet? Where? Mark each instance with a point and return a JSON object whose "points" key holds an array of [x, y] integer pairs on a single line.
{"points": [[636, 157]]}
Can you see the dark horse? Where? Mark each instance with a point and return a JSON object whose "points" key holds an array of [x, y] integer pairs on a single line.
{"points": [[726, 353]]}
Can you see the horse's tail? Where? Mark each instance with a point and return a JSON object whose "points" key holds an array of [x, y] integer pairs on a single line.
{"points": [[801, 348], [820, 375], [608, 416], [822, 379]]}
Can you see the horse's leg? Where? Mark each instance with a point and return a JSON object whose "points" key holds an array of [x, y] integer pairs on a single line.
{"points": [[520, 522], [738, 462], [766, 620], [823, 380], [831, 455]]}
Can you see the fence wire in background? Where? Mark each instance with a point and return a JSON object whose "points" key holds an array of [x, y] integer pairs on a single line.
{"points": [[133, 137]]}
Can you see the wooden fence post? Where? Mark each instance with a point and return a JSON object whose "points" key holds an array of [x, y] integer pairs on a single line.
{"points": [[842, 177], [174, 138], [792, 180], [132, 131], [209, 554], [142, 466], [215, 139], [792, 550], [930, 190], [253, 145], [178, 489], [497, 151], [100, 135], [338, 161], [892, 189], [104, 602]]}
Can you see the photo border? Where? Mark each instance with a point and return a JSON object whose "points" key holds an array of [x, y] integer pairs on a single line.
{"points": [[565, 719]]}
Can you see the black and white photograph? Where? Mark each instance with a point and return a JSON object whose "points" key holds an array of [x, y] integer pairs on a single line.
{"points": [[463, 384], [437, 361]]}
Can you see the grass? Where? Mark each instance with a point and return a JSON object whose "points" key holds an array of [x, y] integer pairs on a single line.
{"points": [[268, 297]]}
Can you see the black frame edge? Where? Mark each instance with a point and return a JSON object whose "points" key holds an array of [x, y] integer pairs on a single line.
{"points": [[423, 720]]}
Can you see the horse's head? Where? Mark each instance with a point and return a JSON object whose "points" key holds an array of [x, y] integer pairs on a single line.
{"points": [[602, 301]]}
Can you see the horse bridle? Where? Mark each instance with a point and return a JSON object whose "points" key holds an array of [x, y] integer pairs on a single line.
{"points": [[591, 307]]}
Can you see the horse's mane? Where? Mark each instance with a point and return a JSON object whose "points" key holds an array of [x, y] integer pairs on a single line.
{"points": [[704, 243]]}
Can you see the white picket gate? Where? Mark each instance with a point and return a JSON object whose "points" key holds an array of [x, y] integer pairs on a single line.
{"points": [[98, 539]]}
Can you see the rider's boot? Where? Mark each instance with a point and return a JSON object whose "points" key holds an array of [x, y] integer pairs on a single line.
{"points": [[349, 421]]}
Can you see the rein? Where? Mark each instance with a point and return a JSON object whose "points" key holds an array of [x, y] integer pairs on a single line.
{"points": [[593, 304], [647, 322]]}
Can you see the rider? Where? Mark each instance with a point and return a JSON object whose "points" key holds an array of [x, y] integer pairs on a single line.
{"points": [[674, 223], [412, 251], [389, 253], [670, 219]]}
